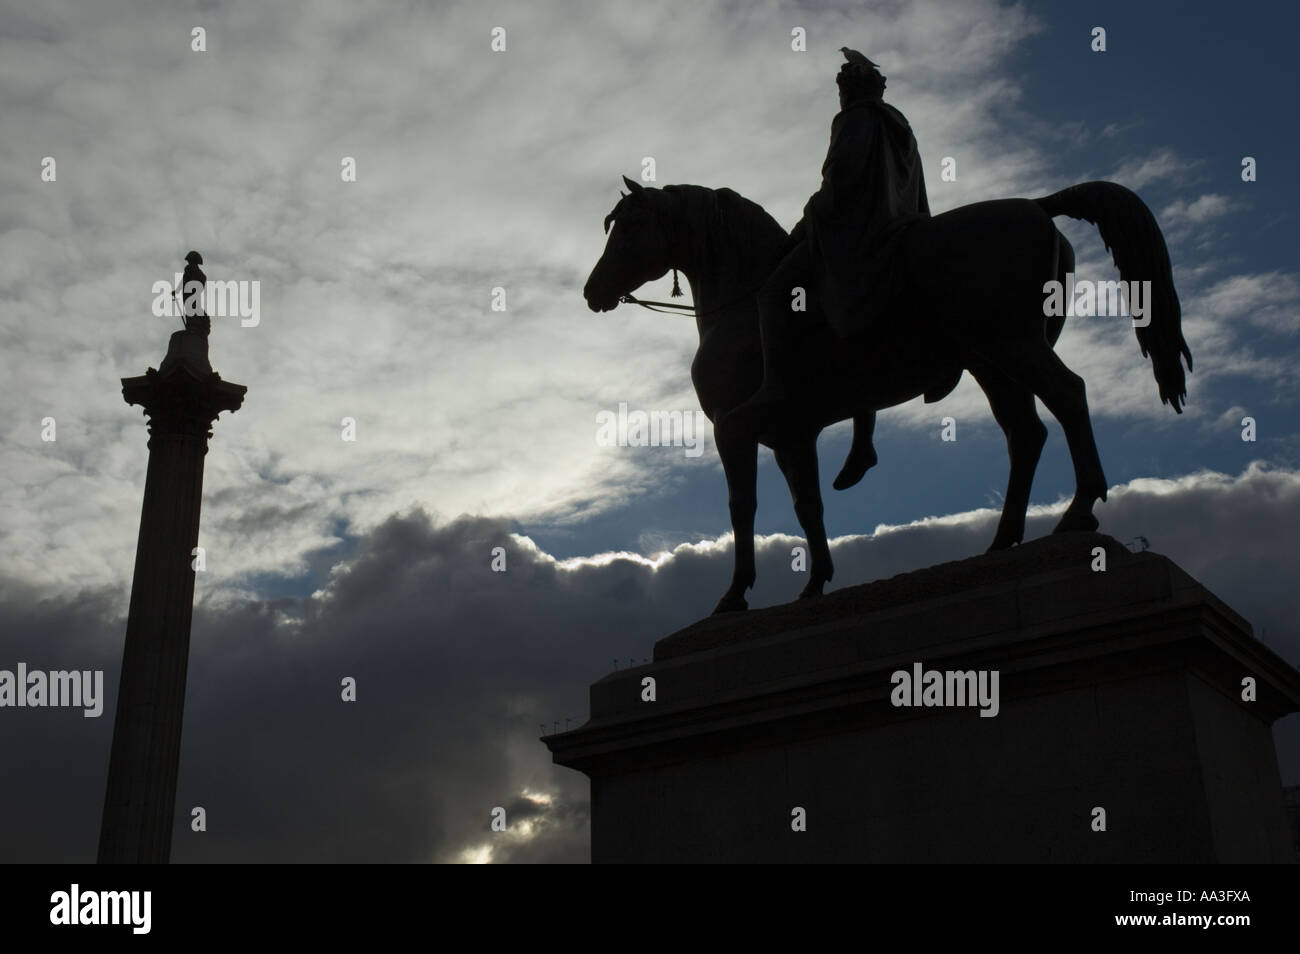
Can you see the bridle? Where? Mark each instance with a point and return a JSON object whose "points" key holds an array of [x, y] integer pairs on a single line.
{"points": [[678, 311]]}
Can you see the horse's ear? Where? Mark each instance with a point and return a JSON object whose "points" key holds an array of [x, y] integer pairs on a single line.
{"points": [[636, 187]]}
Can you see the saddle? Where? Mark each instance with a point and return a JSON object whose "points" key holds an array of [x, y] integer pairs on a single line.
{"points": [[893, 275]]}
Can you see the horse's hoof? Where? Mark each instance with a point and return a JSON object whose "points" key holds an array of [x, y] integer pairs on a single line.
{"points": [[1001, 543], [813, 589], [730, 604]]}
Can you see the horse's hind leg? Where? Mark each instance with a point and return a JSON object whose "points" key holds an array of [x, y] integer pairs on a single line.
{"points": [[1013, 408], [798, 461], [1064, 393]]}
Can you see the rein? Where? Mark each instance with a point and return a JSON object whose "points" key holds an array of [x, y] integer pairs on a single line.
{"points": [[659, 306]]}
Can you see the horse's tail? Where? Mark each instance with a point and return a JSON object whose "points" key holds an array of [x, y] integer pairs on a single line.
{"points": [[1131, 235]]}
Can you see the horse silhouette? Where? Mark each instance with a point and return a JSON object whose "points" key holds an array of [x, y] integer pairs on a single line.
{"points": [[970, 292]]}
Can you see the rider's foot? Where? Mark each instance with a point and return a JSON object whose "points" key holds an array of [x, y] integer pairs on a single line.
{"points": [[858, 463]]}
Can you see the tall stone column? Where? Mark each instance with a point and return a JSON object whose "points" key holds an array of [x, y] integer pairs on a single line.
{"points": [[181, 399]]}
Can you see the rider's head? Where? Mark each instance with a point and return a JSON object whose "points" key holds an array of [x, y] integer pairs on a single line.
{"points": [[859, 79]]}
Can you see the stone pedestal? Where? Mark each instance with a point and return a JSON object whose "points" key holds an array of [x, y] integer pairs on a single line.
{"points": [[181, 399], [1119, 690]]}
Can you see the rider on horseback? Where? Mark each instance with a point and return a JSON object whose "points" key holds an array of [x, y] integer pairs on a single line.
{"points": [[872, 184]]}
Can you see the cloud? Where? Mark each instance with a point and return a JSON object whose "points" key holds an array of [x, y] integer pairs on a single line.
{"points": [[1270, 301], [1199, 210], [458, 668], [476, 170], [1162, 164]]}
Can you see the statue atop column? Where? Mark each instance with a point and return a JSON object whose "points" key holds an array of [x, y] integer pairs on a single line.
{"points": [[194, 284], [190, 347]]}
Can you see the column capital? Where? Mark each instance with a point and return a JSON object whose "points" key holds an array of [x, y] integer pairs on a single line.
{"points": [[184, 396]]}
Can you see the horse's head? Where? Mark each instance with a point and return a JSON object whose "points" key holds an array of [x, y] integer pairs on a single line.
{"points": [[637, 250]]}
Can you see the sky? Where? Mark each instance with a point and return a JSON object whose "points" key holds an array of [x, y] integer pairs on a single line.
{"points": [[476, 428]]}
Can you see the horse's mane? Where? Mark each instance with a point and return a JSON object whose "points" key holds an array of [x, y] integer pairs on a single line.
{"points": [[730, 229]]}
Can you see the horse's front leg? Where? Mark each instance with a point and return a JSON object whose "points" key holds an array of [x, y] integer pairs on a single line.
{"points": [[797, 459], [739, 453]]}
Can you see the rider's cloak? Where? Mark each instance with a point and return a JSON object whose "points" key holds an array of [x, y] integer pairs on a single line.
{"points": [[872, 186]]}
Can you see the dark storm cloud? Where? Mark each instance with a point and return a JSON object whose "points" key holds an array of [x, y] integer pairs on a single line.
{"points": [[456, 666]]}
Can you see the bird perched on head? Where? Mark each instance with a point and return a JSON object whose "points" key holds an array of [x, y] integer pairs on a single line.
{"points": [[859, 78], [857, 59]]}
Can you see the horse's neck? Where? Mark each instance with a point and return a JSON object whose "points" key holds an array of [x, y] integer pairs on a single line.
{"points": [[723, 300], [723, 281]]}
